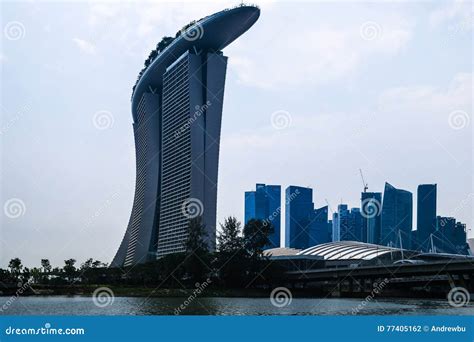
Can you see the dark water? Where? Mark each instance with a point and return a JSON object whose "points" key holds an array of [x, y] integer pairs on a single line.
{"points": [[76, 305]]}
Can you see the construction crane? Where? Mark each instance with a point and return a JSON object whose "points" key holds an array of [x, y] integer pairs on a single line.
{"points": [[366, 186]]}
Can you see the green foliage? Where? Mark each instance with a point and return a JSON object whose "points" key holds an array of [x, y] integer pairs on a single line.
{"points": [[160, 47], [256, 234], [15, 266], [238, 263], [69, 269], [231, 260], [46, 265], [197, 257]]}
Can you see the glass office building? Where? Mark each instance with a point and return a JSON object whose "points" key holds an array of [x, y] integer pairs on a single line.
{"points": [[371, 210], [265, 204], [299, 212], [426, 214], [397, 217]]}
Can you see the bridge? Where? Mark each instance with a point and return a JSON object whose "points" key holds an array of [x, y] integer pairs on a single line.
{"points": [[452, 272]]}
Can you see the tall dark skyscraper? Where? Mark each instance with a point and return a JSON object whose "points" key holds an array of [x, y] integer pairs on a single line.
{"points": [[299, 212], [371, 211], [397, 216], [176, 109], [318, 232], [426, 213], [265, 204], [356, 222]]}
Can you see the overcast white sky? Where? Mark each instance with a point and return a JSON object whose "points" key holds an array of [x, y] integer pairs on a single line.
{"points": [[386, 87]]}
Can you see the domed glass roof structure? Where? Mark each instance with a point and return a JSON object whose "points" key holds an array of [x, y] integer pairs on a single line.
{"points": [[348, 250]]}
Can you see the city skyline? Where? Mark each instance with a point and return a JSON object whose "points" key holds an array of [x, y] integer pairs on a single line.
{"points": [[306, 103], [382, 218]]}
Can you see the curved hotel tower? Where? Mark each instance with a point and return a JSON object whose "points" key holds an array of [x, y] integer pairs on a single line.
{"points": [[176, 109]]}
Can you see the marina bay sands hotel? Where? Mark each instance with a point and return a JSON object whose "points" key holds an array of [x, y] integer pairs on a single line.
{"points": [[177, 110]]}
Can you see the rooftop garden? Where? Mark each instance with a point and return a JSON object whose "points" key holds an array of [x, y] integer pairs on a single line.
{"points": [[166, 41]]}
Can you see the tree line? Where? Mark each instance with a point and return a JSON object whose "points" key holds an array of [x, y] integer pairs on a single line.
{"points": [[238, 262]]}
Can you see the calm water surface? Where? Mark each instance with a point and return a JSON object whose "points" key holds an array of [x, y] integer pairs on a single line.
{"points": [[77, 305]]}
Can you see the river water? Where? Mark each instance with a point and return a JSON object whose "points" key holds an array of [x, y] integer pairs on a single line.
{"points": [[78, 305]]}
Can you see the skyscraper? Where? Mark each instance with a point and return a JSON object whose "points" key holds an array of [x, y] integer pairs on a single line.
{"points": [[397, 216], [176, 110], [265, 204], [347, 224], [344, 223], [318, 232], [426, 213], [299, 211], [356, 223], [449, 237], [371, 210]]}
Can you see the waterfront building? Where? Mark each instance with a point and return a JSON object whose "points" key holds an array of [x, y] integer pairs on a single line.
{"points": [[449, 237], [426, 213], [265, 204], [176, 110], [344, 223], [299, 212], [319, 232], [397, 217], [371, 210], [336, 232], [356, 225]]}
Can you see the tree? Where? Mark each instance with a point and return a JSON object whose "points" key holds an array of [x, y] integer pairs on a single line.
{"points": [[232, 257], [256, 234], [36, 275], [230, 239], [87, 264], [197, 256], [70, 269], [46, 265], [15, 267]]}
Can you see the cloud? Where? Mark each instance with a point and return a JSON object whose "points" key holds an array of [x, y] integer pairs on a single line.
{"points": [[429, 99], [85, 46], [307, 54], [458, 12]]}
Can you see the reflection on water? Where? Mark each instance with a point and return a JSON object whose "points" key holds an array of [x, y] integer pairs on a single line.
{"points": [[76, 305]]}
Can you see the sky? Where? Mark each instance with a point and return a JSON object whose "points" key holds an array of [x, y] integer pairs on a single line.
{"points": [[314, 92]]}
